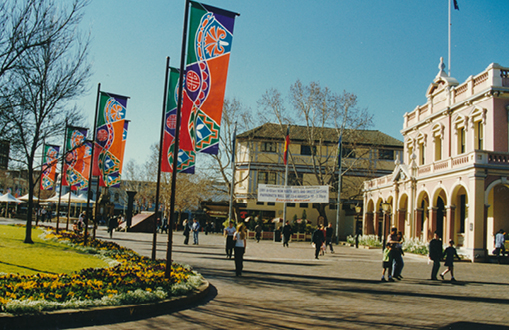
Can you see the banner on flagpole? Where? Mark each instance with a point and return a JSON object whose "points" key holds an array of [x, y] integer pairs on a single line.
{"points": [[208, 55], [186, 159], [49, 167], [110, 138], [77, 159]]}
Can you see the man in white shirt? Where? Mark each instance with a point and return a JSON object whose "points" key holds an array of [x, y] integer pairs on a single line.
{"points": [[195, 228]]}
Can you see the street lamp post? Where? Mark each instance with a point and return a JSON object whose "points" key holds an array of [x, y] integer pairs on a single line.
{"points": [[386, 207], [358, 210]]}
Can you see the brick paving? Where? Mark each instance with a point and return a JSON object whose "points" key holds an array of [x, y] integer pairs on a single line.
{"points": [[286, 288]]}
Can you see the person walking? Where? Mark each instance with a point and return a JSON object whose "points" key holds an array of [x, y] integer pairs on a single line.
{"points": [[287, 233], [112, 224], [258, 233], [186, 232], [195, 228], [230, 243], [329, 235], [240, 248], [386, 265], [435, 254], [318, 239], [397, 263], [500, 244], [164, 228], [449, 254]]}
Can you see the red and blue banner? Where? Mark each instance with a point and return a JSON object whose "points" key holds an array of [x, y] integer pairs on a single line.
{"points": [[186, 159], [49, 166], [208, 55], [110, 139], [77, 159]]}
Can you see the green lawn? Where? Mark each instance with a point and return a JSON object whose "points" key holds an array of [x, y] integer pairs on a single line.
{"points": [[40, 257]]}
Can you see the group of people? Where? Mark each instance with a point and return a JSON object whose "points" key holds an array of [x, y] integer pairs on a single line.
{"points": [[392, 259], [236, 240], [194, 228], [436, 253], [322, 237]]}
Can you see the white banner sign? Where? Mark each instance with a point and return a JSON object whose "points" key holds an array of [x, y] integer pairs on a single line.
{"points": [[293, 194]]}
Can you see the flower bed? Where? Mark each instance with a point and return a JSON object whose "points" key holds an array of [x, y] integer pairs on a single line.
{"points": [[411, 245], [131, 279]]}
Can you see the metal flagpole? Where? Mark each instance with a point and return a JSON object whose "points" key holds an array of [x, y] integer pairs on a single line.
{"points": [[339, 187], [89, 188], [176, 143], [40, 179], [449, 60], [285, 157], [233, 173], [64, 154], [163, 123]]}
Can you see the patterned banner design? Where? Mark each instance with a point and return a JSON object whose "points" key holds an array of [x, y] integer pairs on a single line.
{"points": [[49, 167], [110, 139], [77, 159], [208, 55], [186, 159]]}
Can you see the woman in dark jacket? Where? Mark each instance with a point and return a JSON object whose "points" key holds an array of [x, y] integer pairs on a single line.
{"points": [[186, 232]]}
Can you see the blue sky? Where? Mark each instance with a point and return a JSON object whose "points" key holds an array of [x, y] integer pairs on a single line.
{"points": [[385, 51]]}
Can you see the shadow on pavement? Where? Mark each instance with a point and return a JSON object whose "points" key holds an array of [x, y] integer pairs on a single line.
{"points": [[472, 326]]}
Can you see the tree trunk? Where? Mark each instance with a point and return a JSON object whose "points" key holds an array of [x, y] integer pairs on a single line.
{"points": [[28, 232], [320, 207]]}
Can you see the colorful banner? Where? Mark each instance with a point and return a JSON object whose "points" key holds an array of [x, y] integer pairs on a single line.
{"points": [[110, 138], [208, 54], [49, 166], [186, 159], [77, 159]]}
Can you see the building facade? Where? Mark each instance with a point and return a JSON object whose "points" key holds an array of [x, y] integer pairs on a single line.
{"points": [[452, 178], [259, 160]]}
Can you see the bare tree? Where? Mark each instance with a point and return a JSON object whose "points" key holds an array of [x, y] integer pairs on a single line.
{"points": [[234, 114], [191, 189], [316, 110], [44, 78], [26, 25]]}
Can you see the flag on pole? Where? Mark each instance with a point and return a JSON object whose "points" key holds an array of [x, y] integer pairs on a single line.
{"points": [[287, 145], [456, 5], [110, 138], [208, 55], [77, 159], [186, 159], [49, 166]]}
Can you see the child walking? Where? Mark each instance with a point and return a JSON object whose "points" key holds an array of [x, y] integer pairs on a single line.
{"points": [[387, 264], [449, 254]]}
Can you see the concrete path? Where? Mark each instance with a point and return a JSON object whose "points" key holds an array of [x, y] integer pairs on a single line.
{"points": [[286, 288]]}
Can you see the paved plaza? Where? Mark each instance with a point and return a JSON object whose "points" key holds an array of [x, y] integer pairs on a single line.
{"points": [[286, 288]]}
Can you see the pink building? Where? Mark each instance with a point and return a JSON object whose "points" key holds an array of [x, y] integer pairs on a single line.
{"points": [[453, 177]]}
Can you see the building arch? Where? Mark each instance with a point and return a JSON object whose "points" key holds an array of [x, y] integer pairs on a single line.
{"points": [[457, 213], [438, 212], [421, 217], [369, 228], [402, 214], [497, 209]]}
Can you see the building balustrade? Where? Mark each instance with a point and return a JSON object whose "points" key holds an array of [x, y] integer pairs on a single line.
{"points": [[475, 157]]}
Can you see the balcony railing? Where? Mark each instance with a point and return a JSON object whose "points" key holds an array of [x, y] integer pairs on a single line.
{"points": [[480, 157]]}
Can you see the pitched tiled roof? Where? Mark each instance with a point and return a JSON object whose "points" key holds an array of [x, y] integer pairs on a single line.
{"points": [[275, 132]]}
